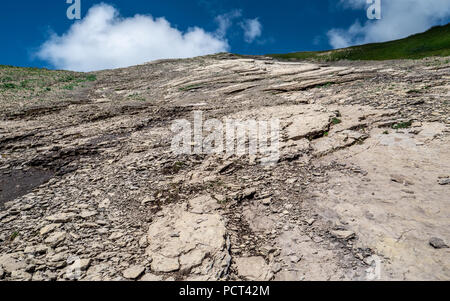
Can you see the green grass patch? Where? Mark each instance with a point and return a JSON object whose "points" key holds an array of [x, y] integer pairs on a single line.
{"points": [[32, 82], [91, 78], [178, 166], [6, 79], [67, 78], [8, 86], [336, 121], [137, 96], [402, 125], [13, 235]]}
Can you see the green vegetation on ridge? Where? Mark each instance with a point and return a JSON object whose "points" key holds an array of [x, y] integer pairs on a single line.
{"points": [[434, 42], [36, 81]]}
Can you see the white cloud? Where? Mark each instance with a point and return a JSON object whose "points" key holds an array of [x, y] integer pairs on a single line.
{"points": [[400, 18], [252, 29], [104, 40], [225, 21]]}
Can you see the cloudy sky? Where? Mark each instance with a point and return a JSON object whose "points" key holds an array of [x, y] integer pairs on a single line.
{"points": [[119, 33]]}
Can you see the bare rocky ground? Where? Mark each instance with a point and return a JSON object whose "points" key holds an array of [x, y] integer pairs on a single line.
{"points": [[91, 190]]}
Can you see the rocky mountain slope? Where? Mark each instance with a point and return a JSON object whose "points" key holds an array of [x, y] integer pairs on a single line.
{"points": [[91, 190]]}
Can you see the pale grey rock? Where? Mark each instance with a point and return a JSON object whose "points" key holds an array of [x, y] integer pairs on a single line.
{"points": [[49, 228], [61, 218], [343, 234], [104, 204], [192, 259], [10, 263], [56, 238], [133, 272], [116, 235], [438, 243], [58, 257], [314, 120], [147, 200], [88, 213], [276, 267], [295, 258], [266, 201], [180, 239], [143, 243], [82, 264], [203, 204], [444, 181], [38, 276], [162, 264], [311, 221], [39, 249], [20, 275], [253, 268]]}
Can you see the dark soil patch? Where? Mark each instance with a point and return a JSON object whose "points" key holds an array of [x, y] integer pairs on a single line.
{"points": [[17, 183]]}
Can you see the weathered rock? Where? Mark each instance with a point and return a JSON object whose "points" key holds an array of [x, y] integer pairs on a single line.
{"points": [[58, 257], [438, 243], [104, 204], [182, 239], [82, 264], [20, 275], [38, 276], [147, 200], [116, 235], [314, 121], [61, 218], [253, 268], [203, 204], [295, 258], [133, 272], [266, 201], [39, 249], [49, 228], [143, 243], [88, 214], [445, 181], [311, 221], [343, 234], [95, 272], [249, 193], [11, 263], [401, 180], [3, 214], [276, 268], [192, 259], [162, 264], [56, 238]]}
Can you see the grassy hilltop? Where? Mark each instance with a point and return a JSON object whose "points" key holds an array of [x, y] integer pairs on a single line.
{"points": [[434, 42]]}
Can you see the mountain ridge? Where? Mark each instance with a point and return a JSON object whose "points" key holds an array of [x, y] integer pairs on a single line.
{"points": [[433, 42]]}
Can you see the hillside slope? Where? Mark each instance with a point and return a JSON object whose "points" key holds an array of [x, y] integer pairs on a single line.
{"points": [[434, 42], [91, 187]]}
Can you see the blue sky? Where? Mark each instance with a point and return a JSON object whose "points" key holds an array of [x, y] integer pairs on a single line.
{"points": [[39, 34]]}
